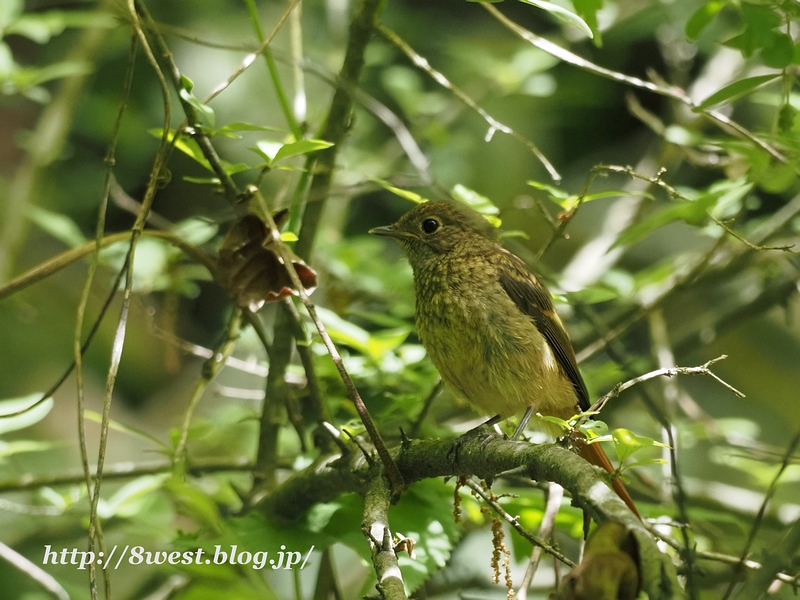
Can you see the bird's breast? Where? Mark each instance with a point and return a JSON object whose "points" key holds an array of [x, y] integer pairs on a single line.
{"points": [[488, 351]]}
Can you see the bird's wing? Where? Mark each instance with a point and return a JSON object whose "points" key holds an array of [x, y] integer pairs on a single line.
{"points": [[533, 299]]}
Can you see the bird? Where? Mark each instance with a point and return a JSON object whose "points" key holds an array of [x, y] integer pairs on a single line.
{"points": [[488, 323]]}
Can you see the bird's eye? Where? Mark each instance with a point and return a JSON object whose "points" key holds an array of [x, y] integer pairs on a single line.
{"points": [[430, 225]]}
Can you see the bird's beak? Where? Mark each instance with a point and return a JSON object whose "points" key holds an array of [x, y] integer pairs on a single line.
{"points": [[391, 231]]}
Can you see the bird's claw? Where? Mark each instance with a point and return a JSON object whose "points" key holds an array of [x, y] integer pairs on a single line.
{"points": [[485, 432]]}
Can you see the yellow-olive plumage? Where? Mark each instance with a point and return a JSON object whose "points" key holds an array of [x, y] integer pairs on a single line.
{"points": [[487, 322]]}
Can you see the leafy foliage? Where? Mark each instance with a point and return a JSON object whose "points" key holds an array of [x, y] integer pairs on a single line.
{"points": [[688, 253]]}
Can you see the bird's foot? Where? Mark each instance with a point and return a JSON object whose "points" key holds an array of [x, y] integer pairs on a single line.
{"points": [[485, 431]]}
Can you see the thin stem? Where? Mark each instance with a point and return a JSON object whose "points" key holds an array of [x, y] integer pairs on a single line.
{"points": [[283, 100], [210, 370], [514, 522], [78, 347], [751, 536], [121, 471], [667, 372], [672, 92], [119, 336], [337, 122], [392, 472], [494, 125]]}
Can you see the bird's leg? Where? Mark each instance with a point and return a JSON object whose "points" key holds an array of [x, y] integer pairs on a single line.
{"points": [[482, 429], [523, 423]]}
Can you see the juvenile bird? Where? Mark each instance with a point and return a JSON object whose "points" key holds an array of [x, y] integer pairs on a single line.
{"points": [[488, 323]]}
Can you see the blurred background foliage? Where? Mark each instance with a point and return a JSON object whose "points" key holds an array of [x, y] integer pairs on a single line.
{"points": [[684, 259]]}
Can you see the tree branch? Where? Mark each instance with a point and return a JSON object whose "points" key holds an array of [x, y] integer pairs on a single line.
{"points": [[417, 460]]}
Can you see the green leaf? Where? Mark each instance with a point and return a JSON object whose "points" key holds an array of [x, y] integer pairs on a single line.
{"points": [[472, 198], [626, 443], [371, 345], [693, 212], [701, 18], [40, 27], [778, 51], [564, 425], [10, 11], [122, 428], [301, 147], [26, 419], [592, 295], [128, 500], [186, 145], [477, 201], [425, 514], [555, 194], [231, 129], [195, 230], [514, 233], [563, 14], [203, 109], [194, 503], [408, 195], [20, 446], [587, 10], [267, 149], [735, 90], [58, 225]]}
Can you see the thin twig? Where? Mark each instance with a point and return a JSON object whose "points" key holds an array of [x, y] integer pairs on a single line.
{"points": [[120, 471], [265, 51], [514, 522], [727, 559], [211, 368], [659, 182], [664, 355], [78, 347], [121, 330], [417, 424], [392, 472], [669, 372], [554, 495], [33, 572], [250, 59], [751, 536], [672, 92], [494, 125]]}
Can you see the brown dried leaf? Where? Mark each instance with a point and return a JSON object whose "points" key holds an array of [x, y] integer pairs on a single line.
{"points": [[250, 269]]}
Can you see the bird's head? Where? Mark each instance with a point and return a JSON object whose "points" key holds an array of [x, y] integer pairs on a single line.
{"points": [[436, 228]]}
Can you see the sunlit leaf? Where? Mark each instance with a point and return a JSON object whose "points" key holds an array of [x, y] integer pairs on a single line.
{"points": [[734, 91], [301, 147], [26, 419], [408, 195], [701, 18], [127, 501], [186, 145], [21, 446], [563, 14], [472, 198], [626, 443], [587, 10]]}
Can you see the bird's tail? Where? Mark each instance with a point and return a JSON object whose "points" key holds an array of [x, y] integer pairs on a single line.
{"points": [[595, 455]]}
